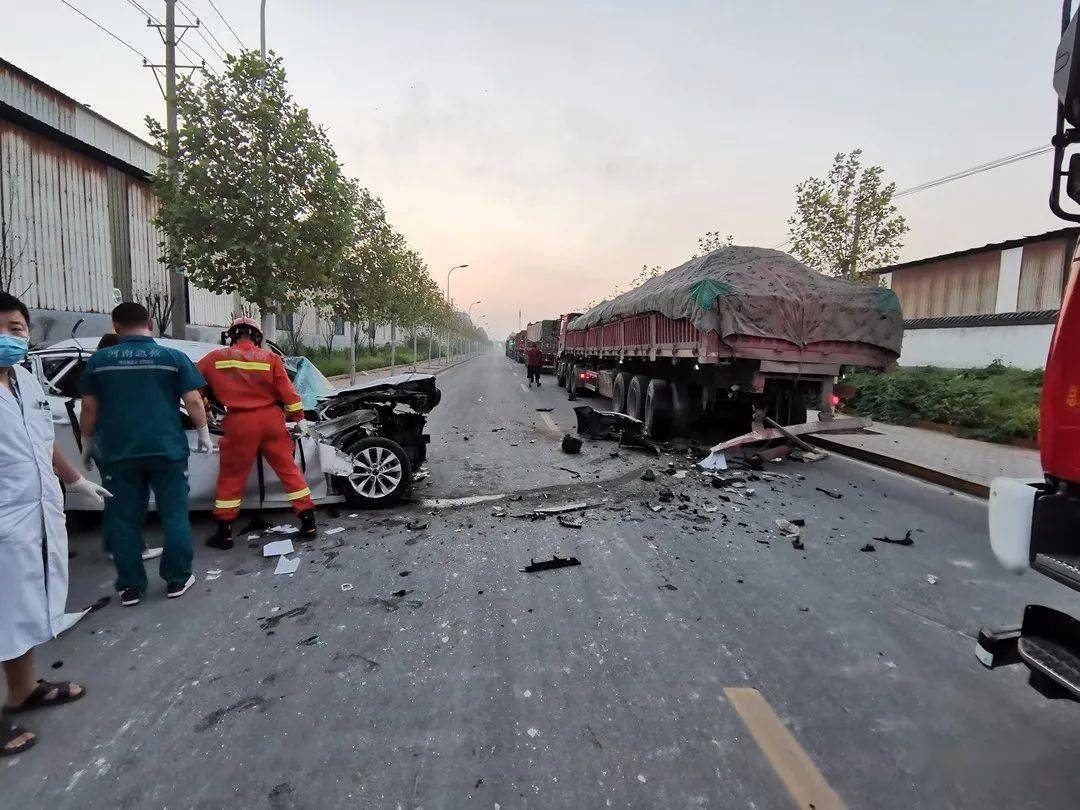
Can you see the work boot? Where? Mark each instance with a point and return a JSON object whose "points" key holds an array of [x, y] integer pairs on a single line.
{"points": [[308, 529], [222, 537]]}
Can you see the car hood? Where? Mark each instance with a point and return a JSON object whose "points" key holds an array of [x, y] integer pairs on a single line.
{"points": [[418, 391]]}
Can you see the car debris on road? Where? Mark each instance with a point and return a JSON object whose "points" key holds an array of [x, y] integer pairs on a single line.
{"points": [[549, 565]]}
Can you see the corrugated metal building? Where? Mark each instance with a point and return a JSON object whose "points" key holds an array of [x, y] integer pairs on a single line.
{"points": [[995, 302], [76, 212]]}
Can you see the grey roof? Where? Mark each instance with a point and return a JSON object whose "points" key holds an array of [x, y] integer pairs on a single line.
{"points": [[1060, 233]]}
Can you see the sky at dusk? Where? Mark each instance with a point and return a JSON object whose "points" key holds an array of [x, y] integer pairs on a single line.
{"points": [[557, 147]]}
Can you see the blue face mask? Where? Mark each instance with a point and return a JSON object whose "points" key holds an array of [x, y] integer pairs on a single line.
{"points": [[12, 350]]}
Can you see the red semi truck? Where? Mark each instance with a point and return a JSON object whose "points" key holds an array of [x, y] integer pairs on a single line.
{"points": [[520, 346], [739, 330], [546, 334]]}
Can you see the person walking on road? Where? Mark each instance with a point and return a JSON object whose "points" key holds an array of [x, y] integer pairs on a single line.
{"points": [[252, 384], [33, 536], [533, 363], [131, 427]]}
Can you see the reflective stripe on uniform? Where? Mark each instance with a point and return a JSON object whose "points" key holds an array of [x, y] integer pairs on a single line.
{"points": [[226, 504], [300, 493], [296, 406], [243, 365]]}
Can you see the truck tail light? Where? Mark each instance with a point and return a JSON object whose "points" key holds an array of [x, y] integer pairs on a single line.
{"points": [[835, 400]]}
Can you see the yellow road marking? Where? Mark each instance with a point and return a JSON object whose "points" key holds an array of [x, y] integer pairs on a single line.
{"points": [[792, 764], [549, 422]]}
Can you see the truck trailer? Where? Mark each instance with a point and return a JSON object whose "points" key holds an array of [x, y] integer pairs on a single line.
{"points": [[520, 346], [726, 338], [546, 334]]}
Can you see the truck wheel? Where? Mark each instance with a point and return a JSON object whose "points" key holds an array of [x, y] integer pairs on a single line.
{"points": [[382, 474], [560, 374], [683, 409], [618, 391], [657, 416], [571, 381], [635, 396]]}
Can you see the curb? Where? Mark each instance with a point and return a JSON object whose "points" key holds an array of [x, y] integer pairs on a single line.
{"points": [[907, 467], [370, 371]]}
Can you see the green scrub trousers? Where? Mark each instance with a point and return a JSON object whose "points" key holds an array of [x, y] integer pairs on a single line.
{"points": [[130, 482]]}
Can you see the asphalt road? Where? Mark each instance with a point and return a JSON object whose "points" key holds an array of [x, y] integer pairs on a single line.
{"points": [[693, 659]]}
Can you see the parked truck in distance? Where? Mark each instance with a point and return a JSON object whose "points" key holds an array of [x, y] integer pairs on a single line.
{"points": [[546, 334], [737, 333], [520, 346]]}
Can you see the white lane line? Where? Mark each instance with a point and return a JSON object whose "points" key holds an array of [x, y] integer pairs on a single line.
{"points": [[442, 503], [550, 422]]}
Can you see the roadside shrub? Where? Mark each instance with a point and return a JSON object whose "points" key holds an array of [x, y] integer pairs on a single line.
{"points": [[953, 401]]}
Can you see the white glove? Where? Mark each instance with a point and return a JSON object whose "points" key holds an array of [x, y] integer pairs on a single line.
{"points": [[203, 443], [88, 489], [88, 450], [302, 428]]}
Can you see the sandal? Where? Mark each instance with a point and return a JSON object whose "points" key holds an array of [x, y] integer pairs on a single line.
{"points": [[9, 732], [38, 700]]}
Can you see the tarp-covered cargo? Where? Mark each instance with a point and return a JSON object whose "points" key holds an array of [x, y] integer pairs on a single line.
{"points": [[761, 293]]}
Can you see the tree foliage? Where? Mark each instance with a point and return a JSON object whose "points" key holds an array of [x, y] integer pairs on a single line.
{"points": [[712, 240], [845, 224], [257, 203]]}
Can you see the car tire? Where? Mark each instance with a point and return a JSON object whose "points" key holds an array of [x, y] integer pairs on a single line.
{"points": [[365, 489], [618, 391], [635, 396], [657, 415]]}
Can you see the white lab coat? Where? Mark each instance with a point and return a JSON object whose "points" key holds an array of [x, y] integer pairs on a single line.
{"points": [[33, 536]]}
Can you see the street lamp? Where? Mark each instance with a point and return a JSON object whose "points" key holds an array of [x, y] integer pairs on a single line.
{"points": [[449, 303]]}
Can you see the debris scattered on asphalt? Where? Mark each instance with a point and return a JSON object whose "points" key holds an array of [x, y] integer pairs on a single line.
{"points": [[830, 493], [416, 525], [571, 444], [655, 507], [808, 456], [253, 537], [906, 540], [404, 573], [609, 425], [787, 528], [549, 565], [667, 586], [569, 522], [498, 511], [256, 524], [514, 498], [400, 594], [666, 495], [276, 548], [648, 475], [556, 510], [931, 579], [680, 474], [283, 529], [287, 566], [57, 664], [797, 544], [545, 410], [346, 586], [798, 521], [420, 475], [574, 473], [335, 530], [310, 641], [868, 547], [212, 574], [99, 604], [714, 461], [353, 515]]}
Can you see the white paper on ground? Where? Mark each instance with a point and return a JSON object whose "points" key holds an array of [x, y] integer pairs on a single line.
{"points": [[287, 566], [68, 620], [254, 537], [278, 547], [335, 530], [714, 461], [284, 528]]}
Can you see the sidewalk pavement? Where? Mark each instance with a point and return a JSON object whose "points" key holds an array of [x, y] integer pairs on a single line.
{"points": [[964, 464], [433, 367]]}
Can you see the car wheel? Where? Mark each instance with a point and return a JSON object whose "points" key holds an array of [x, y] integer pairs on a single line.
{"points": [[618, 391], [635, 396], [657, 417], [382, 474]]}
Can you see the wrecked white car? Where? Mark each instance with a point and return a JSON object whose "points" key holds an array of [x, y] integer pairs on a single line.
{"points": [[367, 440]]}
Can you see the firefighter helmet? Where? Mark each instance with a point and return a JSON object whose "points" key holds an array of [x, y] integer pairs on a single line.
{"points": [[247, 327]]}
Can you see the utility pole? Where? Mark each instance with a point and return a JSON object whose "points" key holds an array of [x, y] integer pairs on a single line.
{"points": [[177, 282], [269, 320]]}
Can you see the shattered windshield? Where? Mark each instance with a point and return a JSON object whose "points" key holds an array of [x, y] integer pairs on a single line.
{"points": [[309, 381]]}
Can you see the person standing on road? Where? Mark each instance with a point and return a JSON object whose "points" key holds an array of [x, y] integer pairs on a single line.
{"points": [[33, 537], [131, 426], [252, 384], [533, 363]]}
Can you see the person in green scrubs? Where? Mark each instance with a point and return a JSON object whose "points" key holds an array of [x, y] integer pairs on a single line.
{"points": [[130, 423]]}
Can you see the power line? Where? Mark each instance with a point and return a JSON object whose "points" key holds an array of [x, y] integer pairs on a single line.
{"points": [[231, 31], [123, 42], [216, 47], [189, 51]]}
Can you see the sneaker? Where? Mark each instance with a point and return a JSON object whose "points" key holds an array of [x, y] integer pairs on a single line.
{"points": [[308, 529], [130, 596], [175, 589], [152, 553]]}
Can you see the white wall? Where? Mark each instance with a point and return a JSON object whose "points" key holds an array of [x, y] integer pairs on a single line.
{"points": [[977, 346]]}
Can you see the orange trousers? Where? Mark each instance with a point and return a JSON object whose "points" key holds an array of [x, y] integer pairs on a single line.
{"points": [[246, 433]]}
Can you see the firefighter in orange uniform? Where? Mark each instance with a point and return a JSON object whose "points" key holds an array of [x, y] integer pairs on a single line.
{"points": [[252, 384]]}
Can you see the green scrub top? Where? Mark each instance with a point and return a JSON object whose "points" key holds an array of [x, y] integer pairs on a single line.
{"points": [[138, 385]]}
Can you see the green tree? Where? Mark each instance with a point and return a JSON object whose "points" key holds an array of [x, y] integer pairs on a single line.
{"points": [[845, 224], [257, 203], [712, 240]]}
